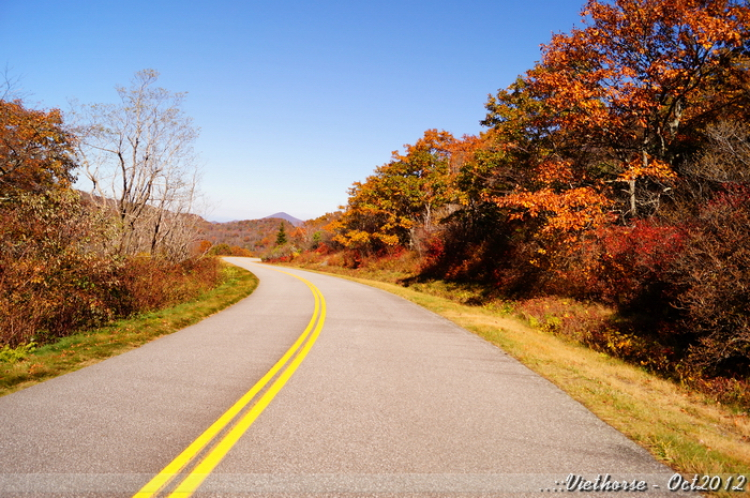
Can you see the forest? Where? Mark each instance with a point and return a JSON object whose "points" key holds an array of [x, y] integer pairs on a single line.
{"points": [[614, 172]]}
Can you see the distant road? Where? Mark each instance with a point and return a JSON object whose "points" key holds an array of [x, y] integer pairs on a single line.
{"points": [[390, 400]]}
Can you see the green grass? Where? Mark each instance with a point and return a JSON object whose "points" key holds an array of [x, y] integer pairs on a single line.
{"points": [[686, 430], [86, 348]]}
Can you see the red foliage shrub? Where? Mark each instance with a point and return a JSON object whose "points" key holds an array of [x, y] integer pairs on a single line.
{"points": [[482, 245], [323, 249], [352, 258], [634, 262], [53, 282], [433, 251]]}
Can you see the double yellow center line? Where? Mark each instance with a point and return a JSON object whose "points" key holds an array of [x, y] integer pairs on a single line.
{"points": [[204, 459]]}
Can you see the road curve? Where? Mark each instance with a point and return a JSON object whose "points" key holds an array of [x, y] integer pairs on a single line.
{"points": [[391, 400]]}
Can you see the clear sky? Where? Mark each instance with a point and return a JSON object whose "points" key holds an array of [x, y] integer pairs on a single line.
{"points": [[295, 99]]}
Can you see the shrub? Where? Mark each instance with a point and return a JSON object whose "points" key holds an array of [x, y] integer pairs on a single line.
{"points": [[50, 278], [634, 263], [712, 279], [224, 249], [148, 283], [54, 281], [14, 355]]}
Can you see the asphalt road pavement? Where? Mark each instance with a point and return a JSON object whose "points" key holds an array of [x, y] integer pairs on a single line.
{"points": [[390, 400]]}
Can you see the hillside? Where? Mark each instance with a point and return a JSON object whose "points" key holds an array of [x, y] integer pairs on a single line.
{"points": [[254, 235]]}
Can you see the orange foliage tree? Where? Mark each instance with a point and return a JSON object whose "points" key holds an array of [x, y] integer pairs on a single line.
{"points": [[406, 196], [526, 169], [35, 152], [614, 104]]}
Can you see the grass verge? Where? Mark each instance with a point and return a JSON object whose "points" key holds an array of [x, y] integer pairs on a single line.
{"points": [[688, 431], [79, 350]]}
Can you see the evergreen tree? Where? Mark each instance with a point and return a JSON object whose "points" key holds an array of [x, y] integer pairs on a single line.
{"points": [[281, 235]]}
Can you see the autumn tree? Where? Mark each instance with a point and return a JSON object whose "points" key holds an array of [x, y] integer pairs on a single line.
{"points": [[36, 153], [527, 169], [613, 108], [319, 232], [628, 91], [407, 195], [138, 156]]}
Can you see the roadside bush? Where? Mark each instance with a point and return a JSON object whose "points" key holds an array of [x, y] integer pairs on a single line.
{"points": [[283, 253], [14, 355], [58, 274], [482, 245], [224, 249], [51, 279], [600, 328], [54, 280], [712, 276], [148, 283]]}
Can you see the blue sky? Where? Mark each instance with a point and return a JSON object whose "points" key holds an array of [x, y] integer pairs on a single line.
{"points": [[296, 100]]}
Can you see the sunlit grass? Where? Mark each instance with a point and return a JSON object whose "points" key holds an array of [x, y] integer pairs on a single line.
{"points": [[79, 350]]}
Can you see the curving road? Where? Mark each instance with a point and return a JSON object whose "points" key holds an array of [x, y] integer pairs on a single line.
{"points": [[391, 400]]}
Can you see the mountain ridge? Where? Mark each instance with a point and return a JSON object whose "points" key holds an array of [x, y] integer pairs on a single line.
{"points": [[286, 217]]}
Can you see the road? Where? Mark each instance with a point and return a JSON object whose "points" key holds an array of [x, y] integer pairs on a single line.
{"points": [[390, 400]]}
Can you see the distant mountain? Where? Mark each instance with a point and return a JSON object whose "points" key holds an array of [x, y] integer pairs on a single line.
{"points": [[291, 219]]}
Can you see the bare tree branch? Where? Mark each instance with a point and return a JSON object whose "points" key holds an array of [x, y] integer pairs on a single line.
{"points": [[139, 157]]}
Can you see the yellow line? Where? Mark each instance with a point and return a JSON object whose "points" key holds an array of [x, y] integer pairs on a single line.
{"points": [[209, 463], [176, 466]]}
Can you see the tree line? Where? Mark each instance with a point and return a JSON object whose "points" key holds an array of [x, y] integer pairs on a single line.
{"points": [[70, 259], [615, 170]]}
